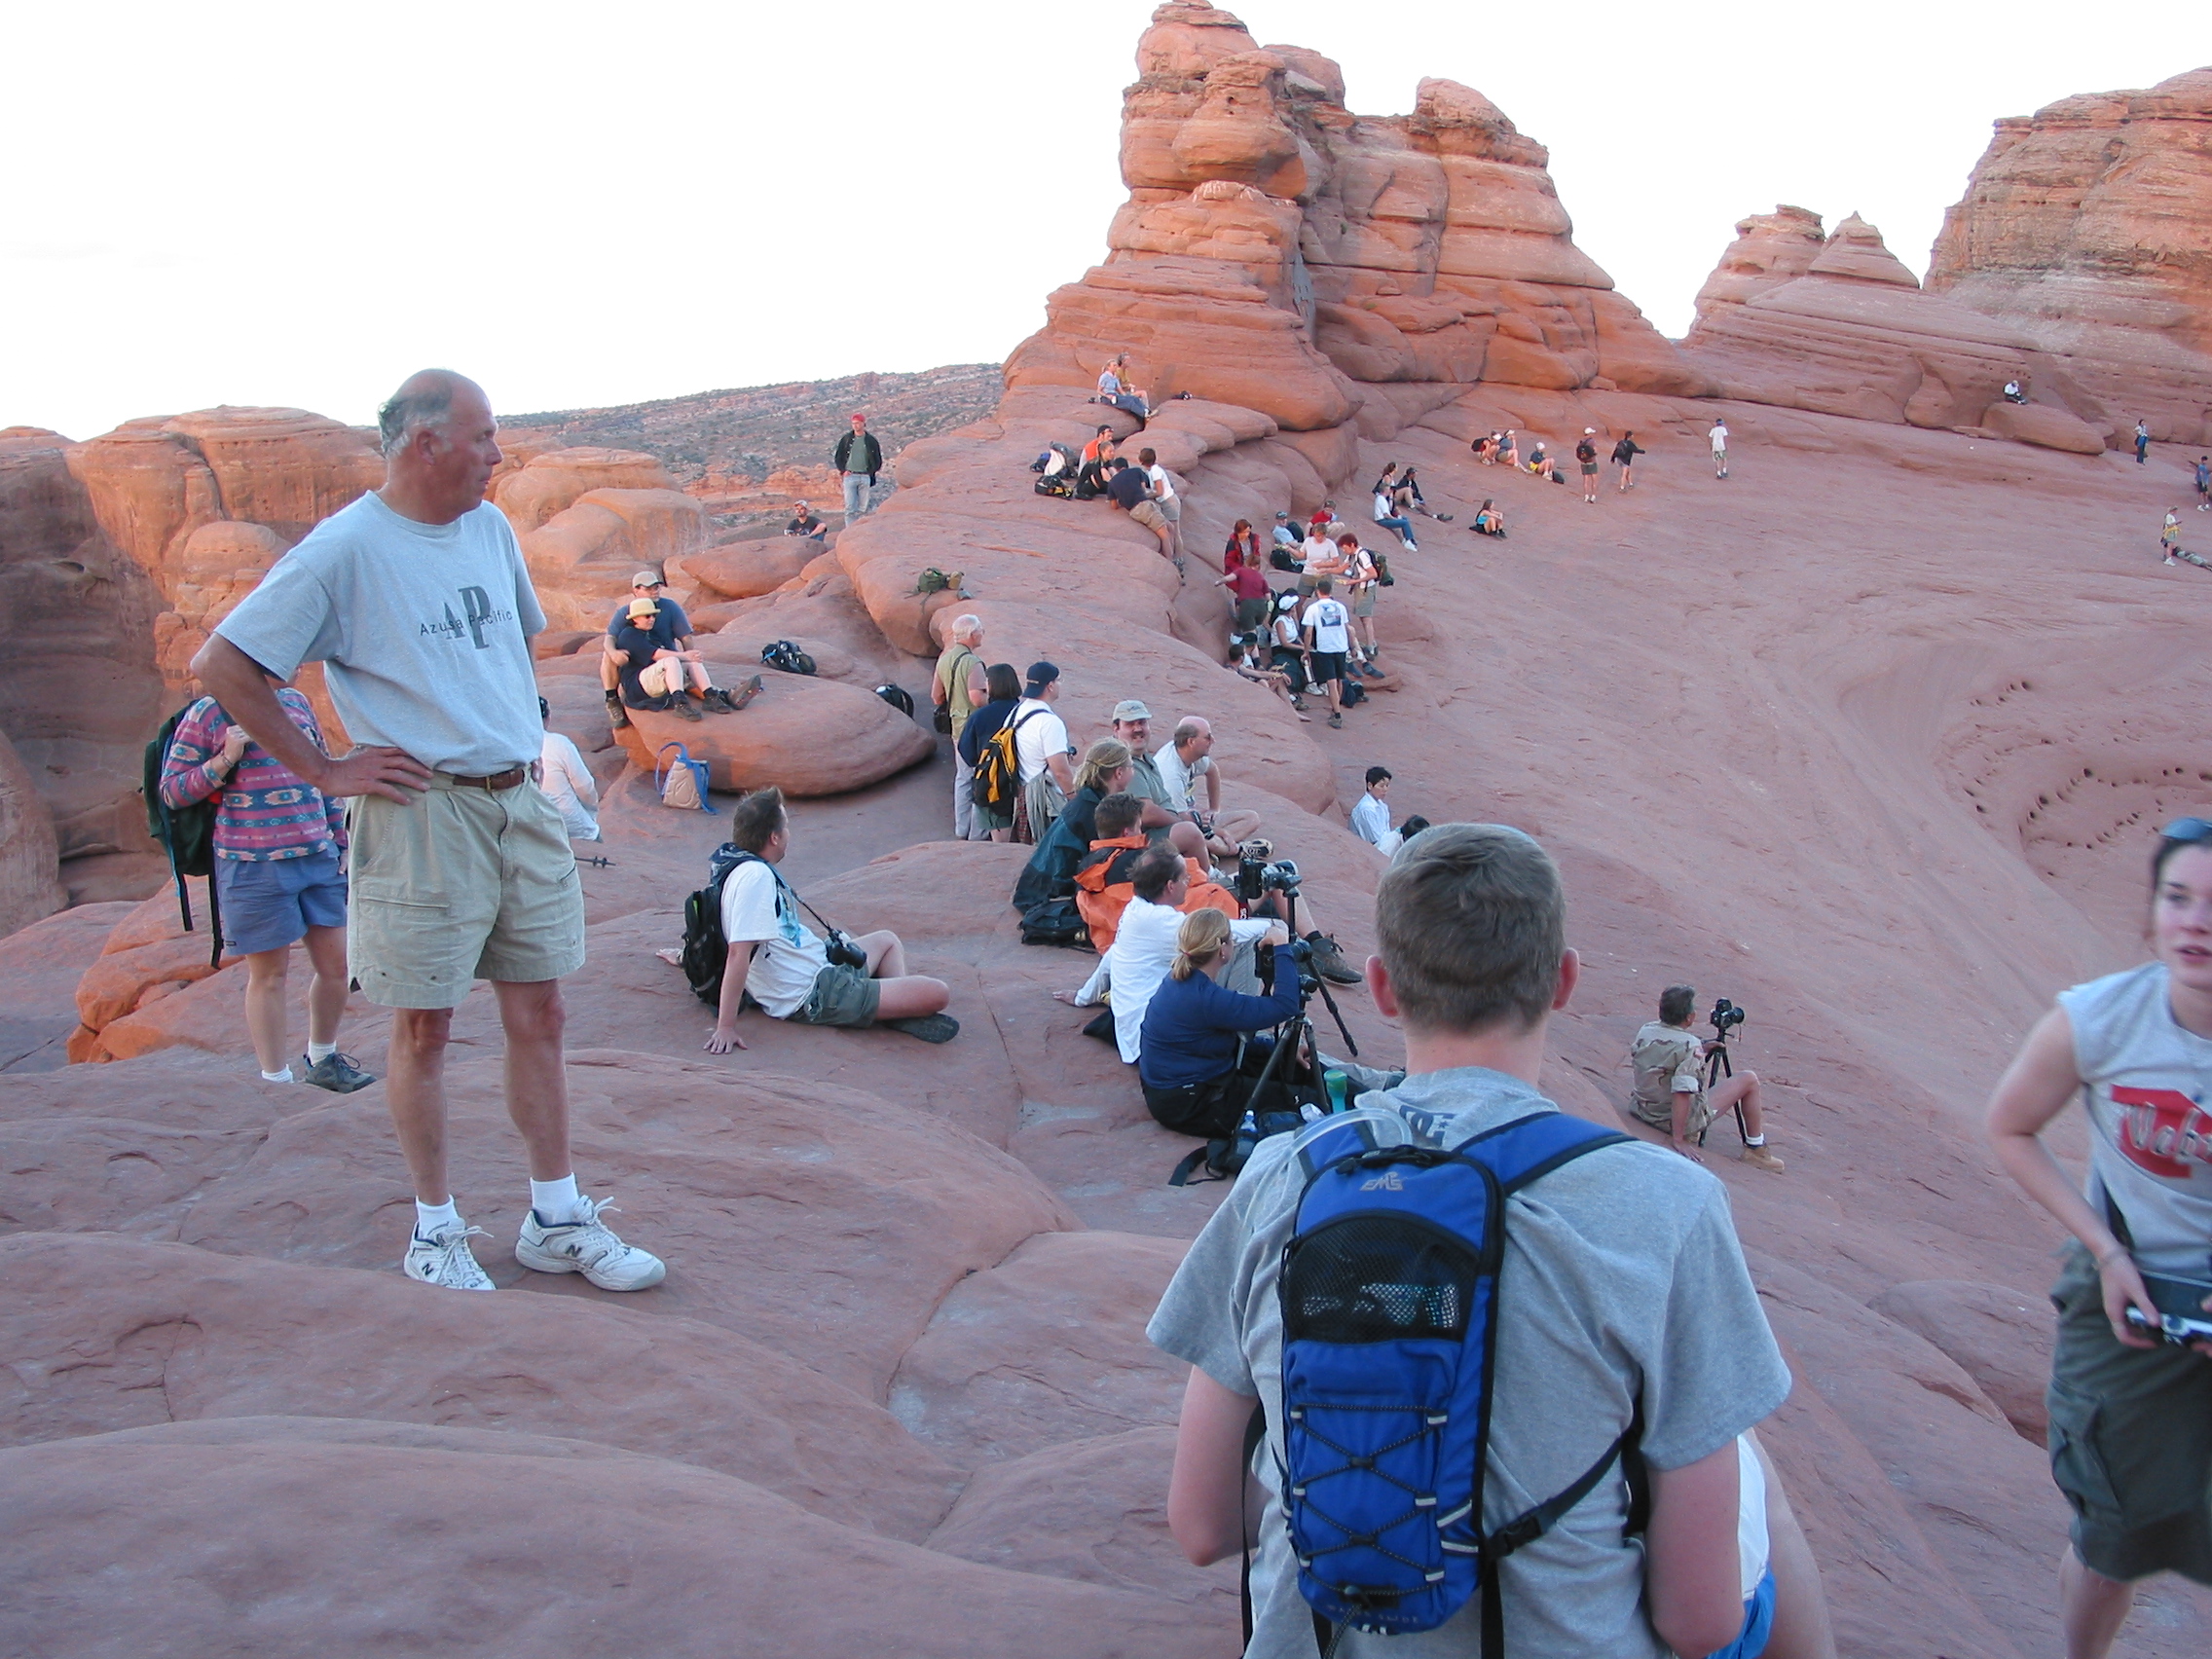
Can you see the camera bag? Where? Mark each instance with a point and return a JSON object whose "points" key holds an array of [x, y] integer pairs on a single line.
{"points": [[1389, 1293]]}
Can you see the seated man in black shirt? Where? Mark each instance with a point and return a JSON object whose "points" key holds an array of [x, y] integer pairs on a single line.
{"points": [[804, 523]]}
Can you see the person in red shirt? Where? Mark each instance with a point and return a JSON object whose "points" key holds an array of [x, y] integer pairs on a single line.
{"points": [[1248, 587]]}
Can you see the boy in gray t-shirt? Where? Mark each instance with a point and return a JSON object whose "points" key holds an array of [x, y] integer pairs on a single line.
{"points": [[1622, 1284]]}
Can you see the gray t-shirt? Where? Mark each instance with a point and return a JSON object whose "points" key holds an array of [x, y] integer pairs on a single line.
{"points": [[2145, 1082], [424, 628], [1622, 1275]]}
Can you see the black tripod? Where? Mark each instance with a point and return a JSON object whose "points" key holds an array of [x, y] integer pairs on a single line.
{"points": [[1717, 1067], [1298, 1028]]}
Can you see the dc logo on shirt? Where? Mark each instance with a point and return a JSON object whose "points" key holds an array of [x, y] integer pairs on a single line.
{"points": [[2163, 1131]]}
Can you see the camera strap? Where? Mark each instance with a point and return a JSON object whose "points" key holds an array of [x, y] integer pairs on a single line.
{"points": [[778, 876]]}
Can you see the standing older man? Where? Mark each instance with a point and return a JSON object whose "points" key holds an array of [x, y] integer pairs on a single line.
{"points": [[417, 601], [857, 459], [958, 687]]}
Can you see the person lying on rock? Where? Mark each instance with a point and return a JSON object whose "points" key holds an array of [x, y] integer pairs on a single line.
{"points": [[1183, 764], [1591, 1358], [1669, 1097], [1104, 876], [418, 602], [2131, 1385], [806, 522], [279, 844], [1131, 492], [671, 635], [784, 968]]}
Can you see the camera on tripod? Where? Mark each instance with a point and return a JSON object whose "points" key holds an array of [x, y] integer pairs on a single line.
{"points": [[1299, 955], [1726, 1016], [1256, 877]]}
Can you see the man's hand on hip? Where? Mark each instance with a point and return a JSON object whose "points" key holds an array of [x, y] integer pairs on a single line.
{"points": [[391, 773]]}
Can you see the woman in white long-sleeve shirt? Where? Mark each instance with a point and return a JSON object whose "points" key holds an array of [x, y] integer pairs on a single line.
{"points": [[566, 781]]}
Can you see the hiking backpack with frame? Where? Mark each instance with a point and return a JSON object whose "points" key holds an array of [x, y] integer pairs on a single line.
{"points": [[1389, 1291], [187, 834]]}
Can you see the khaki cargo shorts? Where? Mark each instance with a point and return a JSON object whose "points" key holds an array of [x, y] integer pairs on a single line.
{"points": [[1148, 514], [1662, 1117], [458, 885]]}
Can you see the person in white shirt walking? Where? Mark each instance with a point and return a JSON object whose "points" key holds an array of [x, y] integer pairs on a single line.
{"points": [[566, 781], [1719, 439]]}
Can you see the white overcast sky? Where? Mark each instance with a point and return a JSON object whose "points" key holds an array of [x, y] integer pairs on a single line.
{"points": [[243, 202]]}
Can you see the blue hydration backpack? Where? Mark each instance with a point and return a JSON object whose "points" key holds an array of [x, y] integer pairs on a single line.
{"points": [[1389, 1293]]}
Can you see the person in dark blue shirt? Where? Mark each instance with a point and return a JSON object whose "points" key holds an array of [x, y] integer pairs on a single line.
{"points": [[1187, 1061]]}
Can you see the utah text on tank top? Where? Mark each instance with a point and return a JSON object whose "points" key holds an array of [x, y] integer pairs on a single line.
{"points": [[2145, 1082]]}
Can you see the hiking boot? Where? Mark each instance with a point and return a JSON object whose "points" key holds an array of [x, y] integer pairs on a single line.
{"points": [[683, 708], [715, 701], [1329, 960], [445, 1259], [928, 1027], [1337, 720], [1763, 1157], [588, 1247], [744, 694], [617, 714], [335, 1072]]}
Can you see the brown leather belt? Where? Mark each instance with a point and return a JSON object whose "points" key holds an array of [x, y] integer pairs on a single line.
{"points": [[495, 781]]}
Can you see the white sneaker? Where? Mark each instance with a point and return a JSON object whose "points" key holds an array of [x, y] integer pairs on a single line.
{"points": [[588, 1247], [445, 1259]]}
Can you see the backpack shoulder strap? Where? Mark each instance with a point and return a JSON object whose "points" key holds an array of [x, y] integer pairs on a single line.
{"points": [[1530, 1148]]}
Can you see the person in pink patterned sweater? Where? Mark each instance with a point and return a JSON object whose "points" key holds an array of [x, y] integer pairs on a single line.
{"points": [[279, 846]]}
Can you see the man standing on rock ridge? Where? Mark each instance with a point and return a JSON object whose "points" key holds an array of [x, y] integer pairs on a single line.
{"points": [[857, 459], [417, 600]]}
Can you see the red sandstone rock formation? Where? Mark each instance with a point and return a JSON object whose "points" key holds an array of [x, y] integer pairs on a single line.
{"points": [[1838, 323], [2087, 226], [1275, 247]]}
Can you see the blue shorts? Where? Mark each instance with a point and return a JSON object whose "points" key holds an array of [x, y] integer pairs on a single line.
{"points": [[1758, 1623], [267, 905]]}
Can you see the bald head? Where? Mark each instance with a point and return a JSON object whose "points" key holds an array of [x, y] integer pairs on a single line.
{"points": [[440, 446], [425, 399]]}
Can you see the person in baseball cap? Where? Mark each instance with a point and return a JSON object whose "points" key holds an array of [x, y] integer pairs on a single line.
{"points": [[679, 673]]}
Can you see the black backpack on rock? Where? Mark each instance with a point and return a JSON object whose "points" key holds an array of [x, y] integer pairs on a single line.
{"points": [[788, 657], [1054, 921], [899, 697]]}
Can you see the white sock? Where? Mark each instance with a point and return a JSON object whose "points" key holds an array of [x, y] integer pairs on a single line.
{"points": [[321, 1052], [285, 1076], [1754, 1140], [428, 1218], [557, 1201]]}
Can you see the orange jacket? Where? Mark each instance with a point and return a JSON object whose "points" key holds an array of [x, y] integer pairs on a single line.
{"points": [[1102, 889]]}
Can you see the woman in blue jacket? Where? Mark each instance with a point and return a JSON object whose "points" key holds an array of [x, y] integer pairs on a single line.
{"points": [[1192, 1029]]}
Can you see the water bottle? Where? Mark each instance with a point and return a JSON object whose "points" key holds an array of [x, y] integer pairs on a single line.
{"points": [[1247, 1137], [1337, 1087]]}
